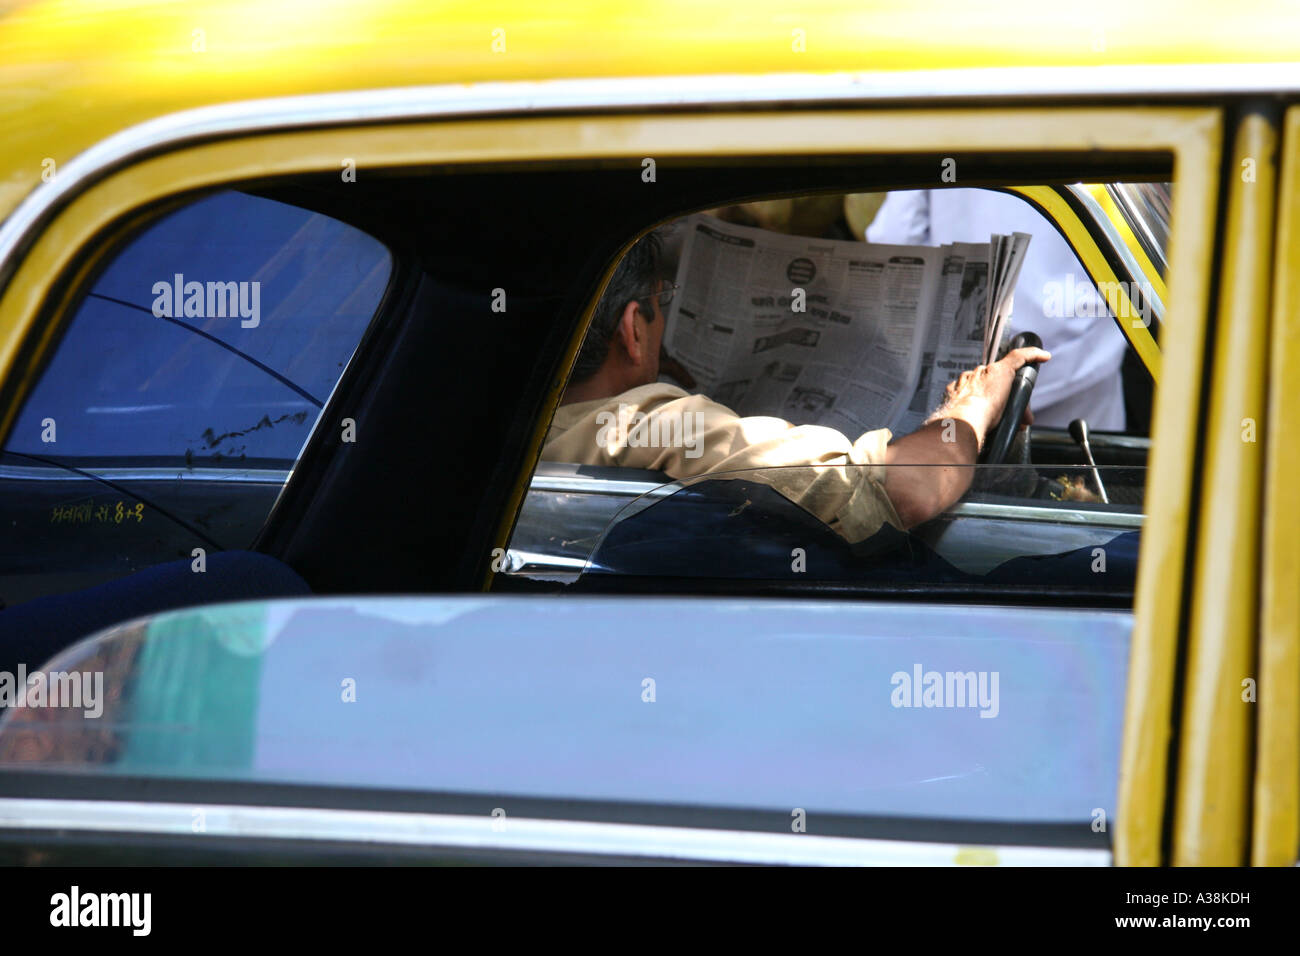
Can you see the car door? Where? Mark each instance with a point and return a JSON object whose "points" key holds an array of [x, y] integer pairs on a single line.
{"points": [[342, 540]]}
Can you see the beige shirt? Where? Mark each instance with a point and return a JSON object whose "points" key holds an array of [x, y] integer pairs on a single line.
{"points": [[663, 428]]}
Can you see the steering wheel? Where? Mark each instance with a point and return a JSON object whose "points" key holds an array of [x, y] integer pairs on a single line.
{"points": [[997, 445]]}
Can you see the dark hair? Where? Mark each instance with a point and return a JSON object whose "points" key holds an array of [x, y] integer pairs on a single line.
{"points": [[635, 276]]}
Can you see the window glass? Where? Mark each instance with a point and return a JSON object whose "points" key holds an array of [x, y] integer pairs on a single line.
{"points": [[183, 390], [219, 333], [838, 708], [1035, 529]]}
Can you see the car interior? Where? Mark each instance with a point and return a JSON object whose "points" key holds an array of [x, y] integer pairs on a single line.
{"points": [[1041, 502]]}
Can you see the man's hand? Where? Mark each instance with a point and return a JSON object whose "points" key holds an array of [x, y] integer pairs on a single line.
{"points": [[929, 470], [979, 395]]}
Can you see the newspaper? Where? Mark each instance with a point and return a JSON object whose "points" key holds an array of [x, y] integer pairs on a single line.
{"points": [[852, 335]]}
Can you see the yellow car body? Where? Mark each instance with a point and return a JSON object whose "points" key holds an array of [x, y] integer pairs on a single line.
{"points": [[110, 111]]}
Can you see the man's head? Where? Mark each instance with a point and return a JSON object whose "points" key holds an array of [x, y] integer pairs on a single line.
{"points": [[621, 350]]}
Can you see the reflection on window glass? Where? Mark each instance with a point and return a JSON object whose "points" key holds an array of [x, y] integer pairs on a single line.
{"points": [[217, 334], [1019, 526], [836, 707], [1146, 209], [182, 392]]}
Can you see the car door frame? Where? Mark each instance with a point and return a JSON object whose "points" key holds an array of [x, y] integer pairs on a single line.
{"points": [[55, 240], [1275, 817]]}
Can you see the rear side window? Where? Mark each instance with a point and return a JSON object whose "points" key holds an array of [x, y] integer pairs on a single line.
{"points": [[184, 389]]}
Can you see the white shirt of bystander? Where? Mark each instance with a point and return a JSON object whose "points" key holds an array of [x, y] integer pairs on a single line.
{"points": [[1054, 296]]}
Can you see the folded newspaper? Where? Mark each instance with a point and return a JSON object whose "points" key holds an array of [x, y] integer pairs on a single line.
{"points": [[853, 335]]}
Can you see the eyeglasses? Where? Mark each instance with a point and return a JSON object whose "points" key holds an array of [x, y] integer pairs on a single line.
{"points": [[667, 290]]}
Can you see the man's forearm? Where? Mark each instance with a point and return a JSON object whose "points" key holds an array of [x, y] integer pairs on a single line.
{"points": [[929, 470]]}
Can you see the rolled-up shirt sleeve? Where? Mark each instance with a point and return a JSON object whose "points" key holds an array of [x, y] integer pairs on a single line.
{"points": [[663, 428]]}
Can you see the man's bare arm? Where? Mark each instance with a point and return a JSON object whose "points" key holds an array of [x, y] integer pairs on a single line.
{"points": [[930, 469]]}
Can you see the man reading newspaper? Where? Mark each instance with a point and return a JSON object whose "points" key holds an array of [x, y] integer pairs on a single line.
{"points": [[616, 413]]}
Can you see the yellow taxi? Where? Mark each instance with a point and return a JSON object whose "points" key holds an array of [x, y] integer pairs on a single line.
{"points": [[289, 299]]}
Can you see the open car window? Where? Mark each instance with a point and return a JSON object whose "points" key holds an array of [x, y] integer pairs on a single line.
{"points": [[816, 324]]}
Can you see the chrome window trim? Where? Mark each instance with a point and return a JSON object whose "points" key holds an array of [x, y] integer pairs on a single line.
{"points": [[587, 485], [517, 560], [515, 834], [265, 476], [1120, 248], [1129, 206], [980, 509], [1014, 84]]}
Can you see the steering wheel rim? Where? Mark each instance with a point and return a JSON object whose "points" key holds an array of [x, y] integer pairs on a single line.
{"points": [[998, 443]]}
